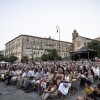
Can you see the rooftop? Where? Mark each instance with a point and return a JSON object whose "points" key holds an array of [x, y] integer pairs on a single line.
{"points": [[36, 37]]}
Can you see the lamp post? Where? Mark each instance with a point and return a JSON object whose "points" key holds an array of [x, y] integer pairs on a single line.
{"points": [[88, 55], [32, 50], [58, 31]]}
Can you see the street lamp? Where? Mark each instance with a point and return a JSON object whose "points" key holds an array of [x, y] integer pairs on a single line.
{"points": [[32, 50], [58, 31], [88, 55]]}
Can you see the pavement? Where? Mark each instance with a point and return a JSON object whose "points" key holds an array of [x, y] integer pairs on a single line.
{"points": [[11, 92]]}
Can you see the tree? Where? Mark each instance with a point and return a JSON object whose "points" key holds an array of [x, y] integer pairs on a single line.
{"points": [[24, 59], [54, 55], [12, 58], [51, 56], [59, 58], [2, 58], [44, 57], [7, 59], [94, 45]]}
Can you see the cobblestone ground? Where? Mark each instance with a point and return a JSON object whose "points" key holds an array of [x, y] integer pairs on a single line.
{"points": [[12, 93]]}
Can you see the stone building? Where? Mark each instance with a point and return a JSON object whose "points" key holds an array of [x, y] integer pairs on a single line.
{"points": [[80, 41], [97, 38], [35, 47], [80, 50]]}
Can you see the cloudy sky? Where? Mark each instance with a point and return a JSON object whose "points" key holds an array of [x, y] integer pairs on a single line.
{"points": [[40, 18]]}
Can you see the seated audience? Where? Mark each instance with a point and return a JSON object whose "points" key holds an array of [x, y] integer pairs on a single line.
{"points": [[51, 91], [65, 84]]}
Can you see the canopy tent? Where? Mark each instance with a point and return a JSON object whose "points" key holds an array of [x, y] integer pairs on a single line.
{"points": [[83, 53], [83, 49]]}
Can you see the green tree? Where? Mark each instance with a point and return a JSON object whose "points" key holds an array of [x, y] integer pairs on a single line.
{"points": [[44, 57], [95, 45], [7, 59], [24, 59], [12, 59], [2, 58], [53, 55]]}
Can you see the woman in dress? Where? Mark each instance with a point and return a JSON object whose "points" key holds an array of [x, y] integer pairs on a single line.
{"points": [[65, 84]]}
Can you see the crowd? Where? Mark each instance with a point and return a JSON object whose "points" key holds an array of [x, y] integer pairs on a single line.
{"points": [[55, 78]]}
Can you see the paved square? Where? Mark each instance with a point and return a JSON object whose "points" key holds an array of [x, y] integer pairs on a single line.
{"points": [[10, 92]]}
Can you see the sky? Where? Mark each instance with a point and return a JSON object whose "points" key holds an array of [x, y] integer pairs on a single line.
{"points": [[40, 18]]}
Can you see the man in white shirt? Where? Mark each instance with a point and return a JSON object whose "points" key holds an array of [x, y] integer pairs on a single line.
{"points": [[28, 76], [16, 75]]}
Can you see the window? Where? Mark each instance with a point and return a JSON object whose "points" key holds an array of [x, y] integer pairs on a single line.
{"points": [[19, 44], [41, 41], [84, 44], [38, 47], [27, 39]]}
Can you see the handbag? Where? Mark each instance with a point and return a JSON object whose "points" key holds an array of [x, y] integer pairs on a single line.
{"points": [[65, 85]]}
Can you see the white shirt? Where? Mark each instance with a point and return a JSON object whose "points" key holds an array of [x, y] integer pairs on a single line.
{"points": [[18, 72], [96, 71], [30, 73], [24, 74]]}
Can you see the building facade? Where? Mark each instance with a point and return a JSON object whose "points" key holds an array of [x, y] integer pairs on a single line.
{"points": [[35, 47], [98, 39], [80, 41]]}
